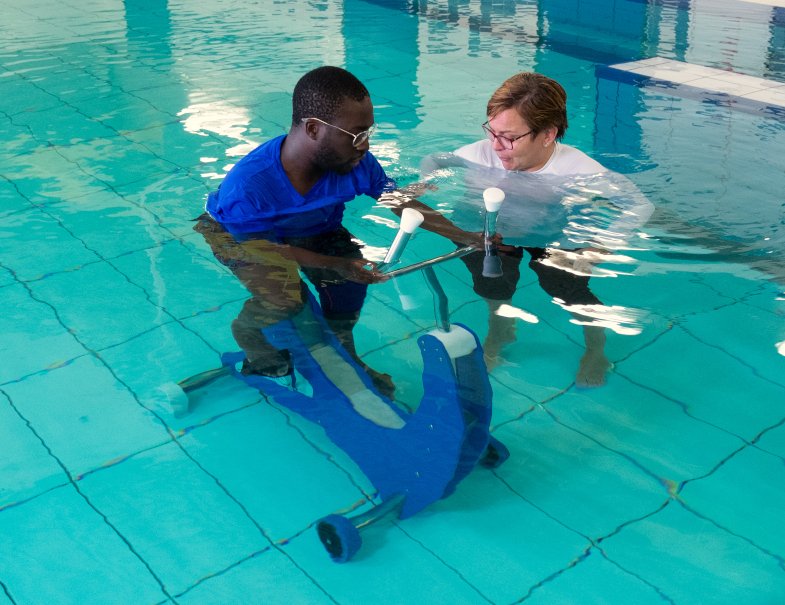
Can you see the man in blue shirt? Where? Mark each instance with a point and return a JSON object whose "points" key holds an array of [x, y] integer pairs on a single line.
{"points": [[280, 209]]}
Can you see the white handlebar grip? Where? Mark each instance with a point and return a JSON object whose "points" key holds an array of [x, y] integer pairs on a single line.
{"points": [[493, 198], [411, 219]]}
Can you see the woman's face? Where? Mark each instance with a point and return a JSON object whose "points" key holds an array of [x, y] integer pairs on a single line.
{"points": [[528, 152]]}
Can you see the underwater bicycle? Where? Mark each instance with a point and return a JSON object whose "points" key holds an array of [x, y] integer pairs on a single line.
{"points": [[412, 459]]}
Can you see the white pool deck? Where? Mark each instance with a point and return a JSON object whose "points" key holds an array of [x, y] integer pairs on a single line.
{"points": [[766, 3], [709, 79]]}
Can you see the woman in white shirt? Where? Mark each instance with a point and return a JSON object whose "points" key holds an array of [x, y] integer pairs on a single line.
{"points": [[527, 118]]}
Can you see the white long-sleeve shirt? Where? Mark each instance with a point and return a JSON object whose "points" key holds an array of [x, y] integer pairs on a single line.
{"points": [[564, 161], [573, 200]]}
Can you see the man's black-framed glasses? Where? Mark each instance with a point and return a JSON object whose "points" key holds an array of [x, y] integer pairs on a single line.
{"points": [[506, 142], [357, 139]]}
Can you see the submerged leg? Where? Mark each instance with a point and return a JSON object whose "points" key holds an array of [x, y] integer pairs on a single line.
{"points": [[571, 287], [594, 364], [262, 358], [502, 330], [343, 330]]}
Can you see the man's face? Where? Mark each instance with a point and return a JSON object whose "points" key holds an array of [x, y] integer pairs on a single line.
{"points": [[336, 152], [528, 152]]}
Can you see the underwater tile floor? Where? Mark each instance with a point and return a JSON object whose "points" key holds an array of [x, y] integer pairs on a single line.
{"points": [[102, 478], [655, 491]]}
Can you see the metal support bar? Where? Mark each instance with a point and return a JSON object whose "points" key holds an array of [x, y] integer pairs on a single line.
{"points": [[440, 298], [378, 511], [433, 261]]}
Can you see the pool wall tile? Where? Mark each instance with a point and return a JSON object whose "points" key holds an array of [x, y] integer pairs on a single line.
{"points": [[700, 376], [746, 328], [12, 201], [19, 142], [58, 536], [34, 338], [631, 420], [89, 427], [23, 96], [315, 436], [271, 577], [111, 309], [770, 299], [694, 560], [131, 77], [752, 510], [391, 567], [773, 441], [75, 127], [511, 404], [123, 112], [165, 94], [45, 175], [595, 581], [175, 516], [173, 275], [75, 84], [254, 455], [557, 466], [183, 148], [6, 277], [132, 227], [26, 468], [34, 243], [158, 357], [174, 199], [674, 290], [495, 539], [116, 161]]}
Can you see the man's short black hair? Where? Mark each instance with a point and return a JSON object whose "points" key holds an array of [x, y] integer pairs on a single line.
{"points": [[320, 92]]}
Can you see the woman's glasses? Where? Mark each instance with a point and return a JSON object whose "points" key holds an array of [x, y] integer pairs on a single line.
{"points": [[506, 142]]}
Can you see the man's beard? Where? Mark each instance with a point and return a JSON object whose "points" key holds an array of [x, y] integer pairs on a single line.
{"points": [[327, 160]]}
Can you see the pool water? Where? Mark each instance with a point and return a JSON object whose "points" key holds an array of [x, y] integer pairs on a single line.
{"points": [[665, 485]]}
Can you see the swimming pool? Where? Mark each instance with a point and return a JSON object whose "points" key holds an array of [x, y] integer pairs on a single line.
{"points": [[665, 485]]}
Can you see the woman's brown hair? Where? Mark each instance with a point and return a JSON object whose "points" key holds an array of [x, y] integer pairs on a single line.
{"points": [[539, 100]]}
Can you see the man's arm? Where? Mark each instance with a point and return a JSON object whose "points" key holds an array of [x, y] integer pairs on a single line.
{"points": [[434, 220], [434, 162]]}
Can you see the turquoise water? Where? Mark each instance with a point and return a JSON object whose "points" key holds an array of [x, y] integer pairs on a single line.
{"points": [[666, 485]]}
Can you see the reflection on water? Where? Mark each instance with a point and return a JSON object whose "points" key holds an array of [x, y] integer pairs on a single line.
{"points": [[612, 317], [584, 262], [506, 310], [223, 119]]}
